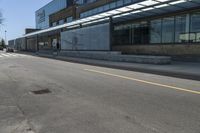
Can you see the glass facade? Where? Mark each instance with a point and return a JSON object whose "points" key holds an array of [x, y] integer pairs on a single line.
{"points": [[54, 24], [109, 6], [155, 31], [180, 29], [184, 28], [61, 21], [140, 33], [123, 34], [42, 15], [168, 30], [195, 27], [69, 19]]}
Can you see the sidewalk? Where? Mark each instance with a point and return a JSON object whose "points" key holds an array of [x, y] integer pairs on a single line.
{"points": [[185, 70]]}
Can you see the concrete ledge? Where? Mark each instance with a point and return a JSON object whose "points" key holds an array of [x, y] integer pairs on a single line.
{"points": [[67, 52], [116, 56], [178, 70]]}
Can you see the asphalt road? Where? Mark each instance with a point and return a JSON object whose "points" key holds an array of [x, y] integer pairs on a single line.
{"points": [[90, 99]]}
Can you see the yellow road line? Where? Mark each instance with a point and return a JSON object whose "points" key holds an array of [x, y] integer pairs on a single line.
{"points": [[144, 81]]}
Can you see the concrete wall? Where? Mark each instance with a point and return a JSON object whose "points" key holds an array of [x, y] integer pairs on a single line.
{"points": [[88, 38], [164, 49], [178, 52]]}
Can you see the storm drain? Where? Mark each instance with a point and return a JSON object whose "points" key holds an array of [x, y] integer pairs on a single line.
{"points": [[40, 92]]}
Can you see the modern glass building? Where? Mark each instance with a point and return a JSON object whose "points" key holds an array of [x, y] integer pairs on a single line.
{"points": [[42, 15], [154, 27]]}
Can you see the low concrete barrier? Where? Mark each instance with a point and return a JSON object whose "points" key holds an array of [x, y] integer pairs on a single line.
{"points": [[117, 56]]}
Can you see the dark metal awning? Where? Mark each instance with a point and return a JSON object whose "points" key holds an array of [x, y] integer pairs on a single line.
{"points": [[140, 9]]}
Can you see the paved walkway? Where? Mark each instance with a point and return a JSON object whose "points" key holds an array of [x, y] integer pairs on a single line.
{"points": [[186, 70]]}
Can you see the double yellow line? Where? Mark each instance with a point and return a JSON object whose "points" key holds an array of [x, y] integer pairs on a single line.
{"points": [[144, 81]]}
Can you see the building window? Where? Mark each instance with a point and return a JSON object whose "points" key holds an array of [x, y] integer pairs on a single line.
{"points": [[69, 19], [106, 7], [168, 30], [127, 1], [155, 31], [195, 27], [120, 3], [181, 35], [122, 34], [61, 21], [100, 9], [54, 24], [140, 33], [112, 5]]}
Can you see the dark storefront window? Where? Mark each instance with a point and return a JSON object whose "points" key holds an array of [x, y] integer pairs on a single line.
{"points": [[122, 35], [168, 30], [155, 31], [183, 28], [195, 27], [181, 35], [140, 33]]}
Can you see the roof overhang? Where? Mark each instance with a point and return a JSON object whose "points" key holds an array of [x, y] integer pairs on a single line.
{"points": [[144, 8]]}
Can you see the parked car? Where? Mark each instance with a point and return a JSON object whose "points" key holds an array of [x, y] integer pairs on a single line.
{"points": [[9, 49]]}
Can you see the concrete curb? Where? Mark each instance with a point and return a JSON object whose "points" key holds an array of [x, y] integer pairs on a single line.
{"points": [[132, 68]]}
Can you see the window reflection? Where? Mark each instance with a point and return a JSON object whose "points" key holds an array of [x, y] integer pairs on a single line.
{"points": [[181, 34], [168, 30], [140, 33], [176, 29], [122, 34], [155, 31], [195, 27]]}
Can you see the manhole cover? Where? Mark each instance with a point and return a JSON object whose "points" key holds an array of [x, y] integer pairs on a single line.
{"points": [[43, 91]]}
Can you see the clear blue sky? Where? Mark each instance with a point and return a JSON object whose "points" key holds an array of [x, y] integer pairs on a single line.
{"points": [[18, 14]]}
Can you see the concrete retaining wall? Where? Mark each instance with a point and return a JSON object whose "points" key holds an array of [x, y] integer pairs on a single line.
{"points": [[116, 56], [88, 38], [172, 50]]}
